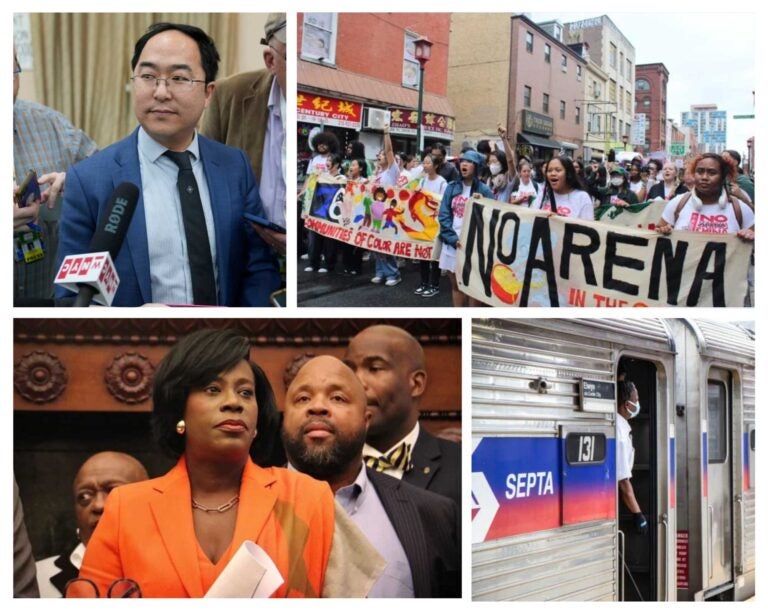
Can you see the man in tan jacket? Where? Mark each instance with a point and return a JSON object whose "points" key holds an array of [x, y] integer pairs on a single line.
{"points": [[247, 111]]}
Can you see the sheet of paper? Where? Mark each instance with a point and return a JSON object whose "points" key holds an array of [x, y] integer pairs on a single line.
{"points": [[251, 573]]}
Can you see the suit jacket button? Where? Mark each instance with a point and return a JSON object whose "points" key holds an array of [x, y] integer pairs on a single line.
{"points": [[426, 470]]}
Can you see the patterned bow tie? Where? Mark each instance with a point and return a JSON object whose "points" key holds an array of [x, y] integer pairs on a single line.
{"points": [[399, 458]]}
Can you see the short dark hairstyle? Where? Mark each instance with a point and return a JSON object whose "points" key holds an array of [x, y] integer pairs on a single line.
{"points": [[439, 146], [656, 163], [209, 55], [195, 361], [625, 388], [334, 159], [326, 138], [484, 147]]}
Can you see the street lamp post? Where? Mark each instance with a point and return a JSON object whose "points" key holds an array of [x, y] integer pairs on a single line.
{"points": [[422, 53]]}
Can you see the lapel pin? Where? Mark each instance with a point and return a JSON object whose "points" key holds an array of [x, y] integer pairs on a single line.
{"points": [[426, 470]]}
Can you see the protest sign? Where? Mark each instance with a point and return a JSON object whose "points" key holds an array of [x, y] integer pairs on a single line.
{"points": [[398, 221], [515, 256]]}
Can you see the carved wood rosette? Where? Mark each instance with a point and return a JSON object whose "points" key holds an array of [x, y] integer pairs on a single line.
{"points": [[129, 378], [40, 377]]}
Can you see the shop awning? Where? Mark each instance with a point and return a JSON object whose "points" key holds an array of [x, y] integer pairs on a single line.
{"points": [[539, 141], [567, 145], [364, 88]]}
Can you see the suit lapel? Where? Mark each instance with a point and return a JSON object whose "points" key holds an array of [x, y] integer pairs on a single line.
{"points": [[221, 207], [128, 169], [406, 521], [67, 573], [426, 460], [255, 507], [172, 510]]}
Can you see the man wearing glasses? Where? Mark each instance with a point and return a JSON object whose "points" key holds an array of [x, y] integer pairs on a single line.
{"points": [[187, 242], [46, 142], [247, 111]]}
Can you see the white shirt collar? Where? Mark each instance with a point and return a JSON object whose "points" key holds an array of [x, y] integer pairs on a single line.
{"points": [[154, 150]]}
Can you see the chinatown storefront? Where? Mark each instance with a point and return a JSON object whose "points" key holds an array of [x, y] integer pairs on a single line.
{"points": [[534, 138], [355, 121], [315, 111]]}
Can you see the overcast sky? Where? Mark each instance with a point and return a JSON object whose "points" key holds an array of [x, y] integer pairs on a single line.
{"points": [[710, 58]]}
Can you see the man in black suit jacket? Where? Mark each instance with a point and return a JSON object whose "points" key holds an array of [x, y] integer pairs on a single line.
{"points": [[97, 476], [417, 532], [390, 364]]}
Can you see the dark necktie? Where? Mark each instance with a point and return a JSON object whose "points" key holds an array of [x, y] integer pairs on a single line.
{"points": [[399, 458], [198, 247]]}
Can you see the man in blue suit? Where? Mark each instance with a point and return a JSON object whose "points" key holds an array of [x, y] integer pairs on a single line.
{"points": [[174, 67]]}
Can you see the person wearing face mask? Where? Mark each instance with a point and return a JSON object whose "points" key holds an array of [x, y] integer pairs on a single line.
{"points": [[619, 193], [628, 408]]}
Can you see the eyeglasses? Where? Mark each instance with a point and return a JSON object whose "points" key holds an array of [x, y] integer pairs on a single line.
{"points": [[83, 588], [176, 83]]}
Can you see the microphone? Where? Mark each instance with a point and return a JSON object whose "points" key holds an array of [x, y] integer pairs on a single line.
{"points": [[94, 273]]}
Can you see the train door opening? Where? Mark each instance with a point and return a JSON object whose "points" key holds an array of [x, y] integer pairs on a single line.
{"points": [[639, 575], [718, 518]]}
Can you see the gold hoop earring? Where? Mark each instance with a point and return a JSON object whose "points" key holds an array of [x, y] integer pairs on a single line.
{"points": [[181, 426]]}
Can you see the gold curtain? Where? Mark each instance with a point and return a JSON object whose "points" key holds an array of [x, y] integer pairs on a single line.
{"points": [[83, 63]]}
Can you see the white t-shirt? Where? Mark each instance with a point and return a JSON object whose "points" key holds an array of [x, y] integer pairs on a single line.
{"points": [[636, 186], [318, 164], [710, 219], [625, 453], [388, 177], [576, 203], [435, 186], [525, 189]]}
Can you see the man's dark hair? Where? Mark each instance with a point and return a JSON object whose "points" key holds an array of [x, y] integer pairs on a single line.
{"points": [[195, 361], [484, 147], [625, 388], [209, 55], [439, 146]]}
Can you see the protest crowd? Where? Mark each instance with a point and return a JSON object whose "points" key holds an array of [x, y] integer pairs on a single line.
{"points": [[709, 194]]}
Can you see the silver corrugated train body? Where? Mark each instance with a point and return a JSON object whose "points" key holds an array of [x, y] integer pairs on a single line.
{"points": [[547, 524]]}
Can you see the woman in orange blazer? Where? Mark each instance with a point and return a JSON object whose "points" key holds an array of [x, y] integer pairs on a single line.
{"points": [[173, 535]]}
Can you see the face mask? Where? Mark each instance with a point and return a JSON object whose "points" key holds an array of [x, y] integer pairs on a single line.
{"points": [[636, 410], [617, 181], [495, 169]]}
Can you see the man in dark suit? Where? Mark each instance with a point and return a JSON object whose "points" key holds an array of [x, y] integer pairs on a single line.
{"points": [[390, 364], [417, 532], [97, 476], [187, 242]]}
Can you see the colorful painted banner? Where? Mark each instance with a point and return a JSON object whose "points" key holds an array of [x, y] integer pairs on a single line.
{"points": [[515, 256], [317, 109], [395, 221], [643, 215]]}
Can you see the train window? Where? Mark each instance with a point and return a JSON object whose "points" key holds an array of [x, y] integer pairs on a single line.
{"points": [[752, 440], [717, 438], [585, 448]]}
